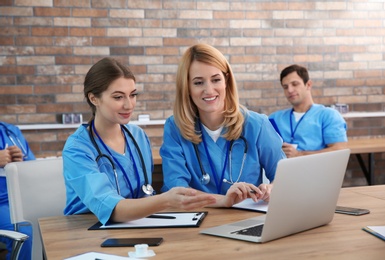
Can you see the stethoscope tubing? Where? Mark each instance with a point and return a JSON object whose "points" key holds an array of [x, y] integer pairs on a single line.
{"points": [[108, 157], [205, 178], [242, 164]]}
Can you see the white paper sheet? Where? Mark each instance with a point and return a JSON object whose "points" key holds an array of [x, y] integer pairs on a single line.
{"points": [[96, 255], [181, 219], [249, 204]]}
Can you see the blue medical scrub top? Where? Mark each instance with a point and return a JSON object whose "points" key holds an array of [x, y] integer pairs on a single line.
{"points": [[91, 185], [9, 136], [181, 166], [319, 127]]}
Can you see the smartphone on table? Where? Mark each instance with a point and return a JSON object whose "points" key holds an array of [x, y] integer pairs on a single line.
{"points": [[351, 211], [124, 242]]}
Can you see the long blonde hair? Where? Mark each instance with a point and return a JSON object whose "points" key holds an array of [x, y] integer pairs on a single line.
{"points": [[186, 112]]}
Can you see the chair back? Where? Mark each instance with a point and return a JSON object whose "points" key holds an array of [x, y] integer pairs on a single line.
{"points": [[36, 189]]}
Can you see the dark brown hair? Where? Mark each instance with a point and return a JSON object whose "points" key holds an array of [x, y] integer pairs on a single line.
{"points": [[101, 75], [301, 71]]}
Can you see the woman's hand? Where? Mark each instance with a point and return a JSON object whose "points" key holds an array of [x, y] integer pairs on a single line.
{"points": [[5, 157], [240, 191], [265, 191], [16, 153], [188, 199], [290, 150]]}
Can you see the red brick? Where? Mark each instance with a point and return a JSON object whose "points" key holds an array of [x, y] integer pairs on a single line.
{"points": [[116, 41], [53, 50], [244, 59], [179, 42], [109, 22], [73, 60], [32, 118], [24, 40], [89, 12], [18, 89], [228, 15], [17, 70], [52, 89], [14, 31], [21, 109], [6, 21], [43, 31], [127, 51], [6, 2], [88, 32], [350, 82], [16, 11], [31, 79], [49, 11], [58, 108], [153, 4], [6, 100], [109, 4], [368, 74], [72, 3]]}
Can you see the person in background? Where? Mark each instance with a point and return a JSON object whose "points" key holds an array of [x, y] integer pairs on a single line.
{"points": [[108, 163], [13, 148], [306, 127], [212, 143]]}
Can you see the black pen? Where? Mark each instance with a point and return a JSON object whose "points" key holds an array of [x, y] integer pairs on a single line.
{"points": [[161, 216]]}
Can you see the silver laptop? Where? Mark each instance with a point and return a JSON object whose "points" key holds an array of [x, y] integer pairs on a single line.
{"points": [[304, 196]]}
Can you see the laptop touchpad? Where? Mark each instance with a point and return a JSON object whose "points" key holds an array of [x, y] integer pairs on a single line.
{"points": [[246, 223]]}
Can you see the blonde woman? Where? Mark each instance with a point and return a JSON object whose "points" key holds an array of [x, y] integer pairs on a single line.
{"points": [[212, 143]]}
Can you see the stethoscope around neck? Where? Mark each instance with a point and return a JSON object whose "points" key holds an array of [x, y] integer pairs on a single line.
{"points": [[205, 178], [146, 187], [15, 140]]}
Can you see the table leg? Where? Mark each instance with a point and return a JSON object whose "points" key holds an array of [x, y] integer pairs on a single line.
{"points": [[368, 171], [371, 168]]}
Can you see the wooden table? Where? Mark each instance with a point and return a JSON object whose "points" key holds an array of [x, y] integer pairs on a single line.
{"points": [[367, 146], [341, 239]]}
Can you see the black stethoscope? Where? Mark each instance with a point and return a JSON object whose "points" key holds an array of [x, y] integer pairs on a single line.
{"points": [[146, 187], [14, 139], [205, 179]]}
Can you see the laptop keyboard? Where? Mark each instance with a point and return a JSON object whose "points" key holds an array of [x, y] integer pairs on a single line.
{"points": [[255, 231]]}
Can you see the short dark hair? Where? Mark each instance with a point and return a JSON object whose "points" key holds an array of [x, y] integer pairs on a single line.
{"points": [[301, 71]]}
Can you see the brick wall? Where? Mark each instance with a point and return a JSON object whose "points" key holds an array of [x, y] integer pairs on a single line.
{"points": [[47, 46]]}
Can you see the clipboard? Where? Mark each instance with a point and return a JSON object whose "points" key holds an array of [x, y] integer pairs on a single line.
{"points": [[377, 231], [172, 220]]}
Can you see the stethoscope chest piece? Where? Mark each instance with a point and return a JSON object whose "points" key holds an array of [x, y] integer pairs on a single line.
{"points": [[205, 179], [148, 189]]}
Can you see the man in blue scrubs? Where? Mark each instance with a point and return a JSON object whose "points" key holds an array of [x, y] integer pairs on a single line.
{"points": [[306, 128], [13, 148]]}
